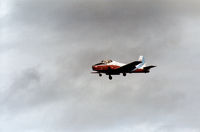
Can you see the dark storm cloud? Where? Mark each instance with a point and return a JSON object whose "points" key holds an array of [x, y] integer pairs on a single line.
{"points": [[51, 45]]}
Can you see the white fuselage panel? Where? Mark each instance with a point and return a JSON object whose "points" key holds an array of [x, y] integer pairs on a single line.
{"points": [[116, 63]]}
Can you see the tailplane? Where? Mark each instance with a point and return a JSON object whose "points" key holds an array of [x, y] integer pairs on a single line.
{"points": [[147, 68], [143, 65]]}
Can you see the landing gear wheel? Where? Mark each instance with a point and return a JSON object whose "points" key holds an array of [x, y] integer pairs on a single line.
{"points": [[110, 77], [100, 74], [124, 74]]}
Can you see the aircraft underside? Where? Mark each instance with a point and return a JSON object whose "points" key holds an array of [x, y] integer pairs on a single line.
{"points": [[124, 74]]}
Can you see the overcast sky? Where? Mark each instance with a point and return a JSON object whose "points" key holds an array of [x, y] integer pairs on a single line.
{"points": [[47, 48]]}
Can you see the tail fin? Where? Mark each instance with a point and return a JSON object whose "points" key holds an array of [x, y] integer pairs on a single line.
{"points": [[141, 65], [141, 58]]}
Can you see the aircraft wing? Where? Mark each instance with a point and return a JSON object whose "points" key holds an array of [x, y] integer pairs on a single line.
{"points": [[128, 67]]}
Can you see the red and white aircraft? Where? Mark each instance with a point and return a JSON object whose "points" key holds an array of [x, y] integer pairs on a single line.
{"points": [[110, 67]]}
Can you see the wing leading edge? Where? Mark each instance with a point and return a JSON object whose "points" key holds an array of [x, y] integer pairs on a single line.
{"points": [[128, 67]]}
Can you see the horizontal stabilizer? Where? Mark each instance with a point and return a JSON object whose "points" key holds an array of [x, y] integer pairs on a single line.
{"points": [[148, 67]]}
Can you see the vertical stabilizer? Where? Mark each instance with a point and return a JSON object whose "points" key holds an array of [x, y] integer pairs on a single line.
{"points": [[141, 65], [141, 58]]}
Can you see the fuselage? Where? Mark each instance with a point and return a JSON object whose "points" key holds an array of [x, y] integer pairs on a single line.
{"points": [[105, 67]]}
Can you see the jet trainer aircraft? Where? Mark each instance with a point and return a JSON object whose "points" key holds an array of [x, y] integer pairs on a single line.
{"points": [[110, 67]]}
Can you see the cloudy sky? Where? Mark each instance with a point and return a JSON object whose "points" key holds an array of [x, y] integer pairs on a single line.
{"points": [[47, 48]]}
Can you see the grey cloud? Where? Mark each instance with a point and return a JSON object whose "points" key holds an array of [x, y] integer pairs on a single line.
{"points": [[51, 45]]}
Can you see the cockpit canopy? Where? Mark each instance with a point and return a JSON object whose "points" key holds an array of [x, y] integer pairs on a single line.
{"points": [[104, 62]]}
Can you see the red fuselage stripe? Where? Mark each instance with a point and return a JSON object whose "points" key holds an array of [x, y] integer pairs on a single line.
{"points": [[104, 67]]}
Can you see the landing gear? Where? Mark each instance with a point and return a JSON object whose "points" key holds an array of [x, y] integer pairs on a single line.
{"points": [[124, 74], [110, 77], [100, 74]]}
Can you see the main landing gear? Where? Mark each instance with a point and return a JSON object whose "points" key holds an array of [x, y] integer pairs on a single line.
{"points": [[124, 74], [100, 74], [110, 77]]}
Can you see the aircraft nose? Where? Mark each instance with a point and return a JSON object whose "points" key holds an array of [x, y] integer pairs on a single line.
{"points": [[94, 67]]}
